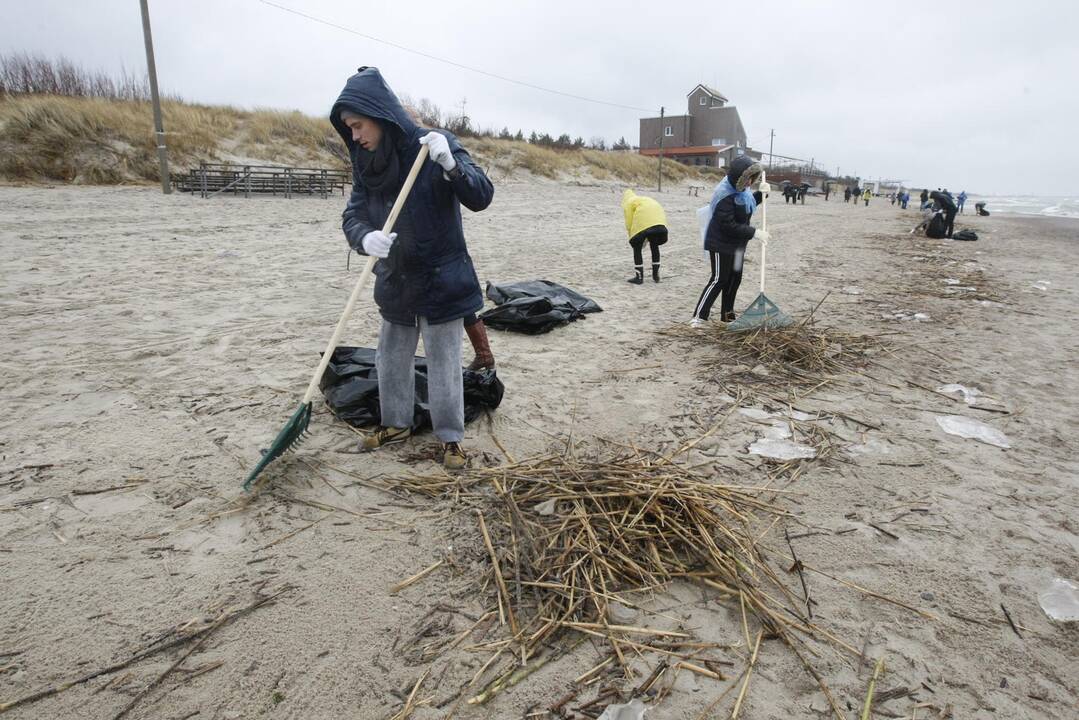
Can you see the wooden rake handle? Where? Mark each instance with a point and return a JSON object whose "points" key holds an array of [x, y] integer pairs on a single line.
{"points": [[368, 266]]}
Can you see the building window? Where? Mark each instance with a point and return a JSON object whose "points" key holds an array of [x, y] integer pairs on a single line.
{"points": [[704, 100], [716, 103], [668, 132]]}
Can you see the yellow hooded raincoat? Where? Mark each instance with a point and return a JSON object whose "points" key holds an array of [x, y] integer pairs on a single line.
{"points": [[641, 213]]}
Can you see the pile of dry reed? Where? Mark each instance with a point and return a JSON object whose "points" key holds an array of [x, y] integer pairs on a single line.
{"points": [[569, 537], [800, 355]]}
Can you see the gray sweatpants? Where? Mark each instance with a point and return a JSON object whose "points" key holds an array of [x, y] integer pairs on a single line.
{"points": [[397, 381]]}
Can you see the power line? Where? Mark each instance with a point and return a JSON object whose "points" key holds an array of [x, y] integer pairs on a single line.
{"points": [[478, 71]]}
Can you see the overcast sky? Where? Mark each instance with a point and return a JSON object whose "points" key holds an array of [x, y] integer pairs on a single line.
{"points": [[979, 96]]}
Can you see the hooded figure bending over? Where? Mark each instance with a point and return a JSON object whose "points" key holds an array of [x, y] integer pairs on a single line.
{"points": [[728, 234], [425, 283]]}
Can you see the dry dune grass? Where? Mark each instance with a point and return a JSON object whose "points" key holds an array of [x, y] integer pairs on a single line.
{"points": [[105, 141]]}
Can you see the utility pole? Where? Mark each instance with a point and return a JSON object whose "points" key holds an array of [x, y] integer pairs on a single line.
{"points": [[659, 183], [771, 139], [151, 69]]}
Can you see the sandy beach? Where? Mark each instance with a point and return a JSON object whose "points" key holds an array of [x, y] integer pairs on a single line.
{"points": [[151, 345]]}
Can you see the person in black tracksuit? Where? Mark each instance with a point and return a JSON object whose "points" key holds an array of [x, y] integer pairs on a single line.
{"points": [[725, 240], [944, 201]]}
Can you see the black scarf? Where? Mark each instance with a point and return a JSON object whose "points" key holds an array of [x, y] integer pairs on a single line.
{"points": [[381, 169]]}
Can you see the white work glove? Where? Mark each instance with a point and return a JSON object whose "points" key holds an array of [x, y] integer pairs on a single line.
{"points": [[377, 243], [763, 235], [439, 148], [764, 188]]}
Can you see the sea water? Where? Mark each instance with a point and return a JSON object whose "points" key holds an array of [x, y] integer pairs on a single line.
{"points": [[1043, 205]]}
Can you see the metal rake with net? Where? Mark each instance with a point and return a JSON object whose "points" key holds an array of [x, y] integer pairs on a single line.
{"points": [[762, 312]]}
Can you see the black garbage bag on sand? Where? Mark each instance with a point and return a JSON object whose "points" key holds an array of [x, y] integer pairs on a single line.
{"points": [[965, 234], [534, 307], [936, 227], [350, 386]]}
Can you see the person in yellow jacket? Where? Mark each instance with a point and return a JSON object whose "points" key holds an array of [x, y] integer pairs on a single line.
{"points": [[866, 195], [645, 221]]}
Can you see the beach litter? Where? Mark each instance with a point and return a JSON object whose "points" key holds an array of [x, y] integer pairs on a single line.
{"points": [[1060, 600], [633, 710], [970, 395], [781, 449], [970, 429]]}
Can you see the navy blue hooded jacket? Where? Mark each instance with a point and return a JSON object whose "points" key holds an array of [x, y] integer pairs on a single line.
{"points": [[729, 229], [434, 277]]}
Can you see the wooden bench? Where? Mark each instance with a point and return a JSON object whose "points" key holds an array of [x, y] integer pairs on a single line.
{"points": [[210, 179], [694, 189]]}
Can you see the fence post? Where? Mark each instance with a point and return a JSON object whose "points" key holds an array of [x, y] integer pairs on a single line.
{"points": [[202, 172], [247, 170], [323, 179], [288, 183]]}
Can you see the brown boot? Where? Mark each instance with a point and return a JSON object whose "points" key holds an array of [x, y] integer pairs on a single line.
{"points": [[477, 335]]}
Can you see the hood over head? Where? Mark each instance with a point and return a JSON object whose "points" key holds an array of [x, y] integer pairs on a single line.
{"points": [[738, 166], [366, 93]]}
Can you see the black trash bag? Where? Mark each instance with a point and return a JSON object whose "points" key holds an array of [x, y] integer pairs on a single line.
{"points": [[965, 234], [936, 226], [350, 386], [529, 315], [557, 294]]}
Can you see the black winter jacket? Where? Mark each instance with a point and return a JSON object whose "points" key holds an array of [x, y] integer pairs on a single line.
{"points": [[435, 278], [729, 229]]}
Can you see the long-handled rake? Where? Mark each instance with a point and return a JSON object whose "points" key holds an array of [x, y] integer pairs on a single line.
{"points": [[762, 312], [291, 435]]}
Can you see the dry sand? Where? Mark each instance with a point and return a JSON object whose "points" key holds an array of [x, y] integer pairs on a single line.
{"points": [[153, 344]]}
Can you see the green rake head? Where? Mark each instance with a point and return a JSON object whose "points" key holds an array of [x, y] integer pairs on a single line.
{"points": [[288, 439], [762, 312]]}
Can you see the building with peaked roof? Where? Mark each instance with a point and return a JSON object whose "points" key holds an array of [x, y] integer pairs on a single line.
{"points": [[710, 133]]}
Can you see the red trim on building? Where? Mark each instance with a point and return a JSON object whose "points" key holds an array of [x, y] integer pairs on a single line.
{"points": [[692, 150]]}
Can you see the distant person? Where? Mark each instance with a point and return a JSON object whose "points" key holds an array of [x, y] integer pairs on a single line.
{"points": [[925, 198], [827, 191], [866, 195], [960, 199], [944, 202], [425, 283], [904, 198], [645, 222], [892, 197], [729, 231], [803, 189], [846, 194], [979, 207]]}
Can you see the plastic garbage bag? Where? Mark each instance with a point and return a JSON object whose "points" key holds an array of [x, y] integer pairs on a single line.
{"points": [[1060, 601], [557, 294], [633, 710], [781, 449], [350, 386], [535, 307], [704, 216], [529, 315], [971, 429]]}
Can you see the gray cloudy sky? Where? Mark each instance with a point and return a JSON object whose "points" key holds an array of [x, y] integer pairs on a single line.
{"points": [[979, 96]]}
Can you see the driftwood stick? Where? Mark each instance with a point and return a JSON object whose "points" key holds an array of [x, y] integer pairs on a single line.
{"points": [[142, 654]]}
